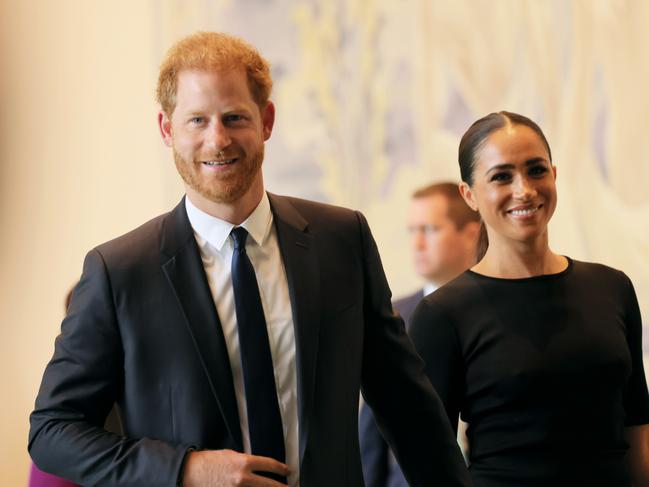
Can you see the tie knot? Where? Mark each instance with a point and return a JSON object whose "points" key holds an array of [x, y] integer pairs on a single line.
{"points": [[239, 235]]}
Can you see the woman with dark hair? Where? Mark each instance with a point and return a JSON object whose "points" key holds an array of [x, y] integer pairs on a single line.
{"points": [[541, 354]]}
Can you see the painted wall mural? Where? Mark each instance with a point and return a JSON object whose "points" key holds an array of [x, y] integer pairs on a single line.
{"points": [[373, 96]]}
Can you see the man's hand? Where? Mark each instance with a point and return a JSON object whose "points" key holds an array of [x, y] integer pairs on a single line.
{"points": [[229, 468]]}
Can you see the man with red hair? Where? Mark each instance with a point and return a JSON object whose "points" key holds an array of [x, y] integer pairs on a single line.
{"points": [[235, 331]]}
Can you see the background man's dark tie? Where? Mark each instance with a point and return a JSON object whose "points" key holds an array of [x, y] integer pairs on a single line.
{"points": [[264, 419]]}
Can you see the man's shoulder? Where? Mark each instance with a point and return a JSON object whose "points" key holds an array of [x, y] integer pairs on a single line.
{"points": [[320, 219], [146, 232], [146, 240], [310, 209]]}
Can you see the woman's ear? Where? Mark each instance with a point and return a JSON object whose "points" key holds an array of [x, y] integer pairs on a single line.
{"points": [[467, 194]]}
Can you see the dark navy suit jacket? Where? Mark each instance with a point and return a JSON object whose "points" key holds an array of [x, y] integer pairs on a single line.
{"points": [[380, 467], [142, 331]]}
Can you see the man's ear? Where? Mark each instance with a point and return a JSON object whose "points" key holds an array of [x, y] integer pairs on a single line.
{"points": [[554, 171], [467, 195], [164, 124], [268, 119]]}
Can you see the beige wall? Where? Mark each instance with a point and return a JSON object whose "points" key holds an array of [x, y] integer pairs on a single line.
{"points": [[80, 162]]}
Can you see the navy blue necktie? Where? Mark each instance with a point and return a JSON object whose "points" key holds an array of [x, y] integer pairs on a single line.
{"points": [[264, 419]]}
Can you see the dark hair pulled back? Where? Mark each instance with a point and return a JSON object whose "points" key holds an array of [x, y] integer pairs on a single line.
{"points": [[473, 140]]}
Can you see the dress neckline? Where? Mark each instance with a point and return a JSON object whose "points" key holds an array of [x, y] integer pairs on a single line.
{"points": [[540, 277]]}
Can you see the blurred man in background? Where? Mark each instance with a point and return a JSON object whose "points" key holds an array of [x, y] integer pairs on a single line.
{"points": [[443, 237]]}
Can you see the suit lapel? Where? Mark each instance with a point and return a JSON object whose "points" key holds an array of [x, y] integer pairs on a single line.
{"points": [[298, 251], [184, 270]]}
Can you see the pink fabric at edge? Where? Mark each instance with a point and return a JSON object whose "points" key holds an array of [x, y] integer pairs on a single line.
{"points": [[38, 478]]}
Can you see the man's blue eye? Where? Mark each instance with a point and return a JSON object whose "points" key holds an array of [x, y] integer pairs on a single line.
{"points": [[233, 118]]}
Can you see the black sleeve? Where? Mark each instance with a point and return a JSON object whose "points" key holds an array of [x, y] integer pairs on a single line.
{"points": [[636, 399], [78, 389], [407, 409], [436, 340]]}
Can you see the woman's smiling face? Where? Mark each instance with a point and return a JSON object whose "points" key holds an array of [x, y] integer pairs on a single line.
{"points": [[513, 185]]}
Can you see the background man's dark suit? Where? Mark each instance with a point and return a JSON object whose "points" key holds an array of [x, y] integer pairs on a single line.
{"points": [[380, 468], [443, 235], [406, 306], [142, 330]]}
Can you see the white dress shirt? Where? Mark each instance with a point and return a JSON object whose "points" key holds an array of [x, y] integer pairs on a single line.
{"points": [[429, 288], [216, 248]]}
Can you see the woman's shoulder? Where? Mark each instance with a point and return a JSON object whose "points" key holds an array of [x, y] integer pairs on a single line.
{"points": [[447, 309], [595, 272], [455, 294]]}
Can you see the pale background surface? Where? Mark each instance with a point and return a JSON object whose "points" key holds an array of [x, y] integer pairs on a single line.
{"points": [[372, 98]]}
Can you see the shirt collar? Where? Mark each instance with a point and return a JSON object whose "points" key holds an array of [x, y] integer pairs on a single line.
{"points": [[429, 288], [213, 230]]}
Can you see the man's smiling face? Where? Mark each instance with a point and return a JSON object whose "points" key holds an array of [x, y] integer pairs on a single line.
{"points": [[217, 132]]}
